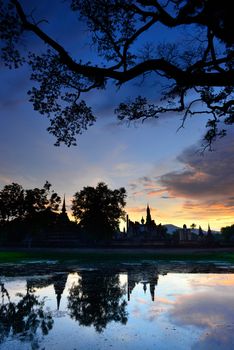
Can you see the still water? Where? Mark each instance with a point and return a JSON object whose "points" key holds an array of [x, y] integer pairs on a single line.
{"points": [[130, 306]]}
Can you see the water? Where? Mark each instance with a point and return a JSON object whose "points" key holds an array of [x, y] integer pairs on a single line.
{"points": [[137, 306]]}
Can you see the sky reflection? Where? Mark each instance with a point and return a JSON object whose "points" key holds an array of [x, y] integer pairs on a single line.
{"points": [[134, 309]]}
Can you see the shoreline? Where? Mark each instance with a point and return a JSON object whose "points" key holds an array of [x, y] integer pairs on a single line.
{"points": [[117, 250]]}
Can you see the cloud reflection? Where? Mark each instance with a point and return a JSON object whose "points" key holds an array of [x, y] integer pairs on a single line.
{"points": [[211, 311]]}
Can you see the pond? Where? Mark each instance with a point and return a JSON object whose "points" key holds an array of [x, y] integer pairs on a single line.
{"points": [[144, 305]]}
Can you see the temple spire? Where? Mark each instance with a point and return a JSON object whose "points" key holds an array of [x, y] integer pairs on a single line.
{"points": [[209, 230], [64, 205], [148, 215], [63, 215]]}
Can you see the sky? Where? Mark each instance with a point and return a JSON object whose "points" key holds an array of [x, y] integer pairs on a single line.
{"points": [[158, 164]]}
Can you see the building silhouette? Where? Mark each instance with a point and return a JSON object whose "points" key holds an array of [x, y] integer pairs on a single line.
{"points": [[146, 277], [146, 229]]}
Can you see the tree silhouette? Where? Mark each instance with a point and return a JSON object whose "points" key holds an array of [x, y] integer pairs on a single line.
{"points": [[16, 202], [193, 226], [98, 210], [23, 318], [196, 70], [11, 202], [228, 233], [97, 300], [23, 212]]}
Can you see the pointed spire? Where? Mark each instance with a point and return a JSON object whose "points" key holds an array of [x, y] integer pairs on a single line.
{"points": [[148, 215], [64, 205], [152, 289], [58, 301], [63, 215], [209, 230], [59, 286]]}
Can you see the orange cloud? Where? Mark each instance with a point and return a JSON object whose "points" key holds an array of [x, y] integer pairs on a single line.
{"points": [[214, 280], [202, 192], [156, 192]]}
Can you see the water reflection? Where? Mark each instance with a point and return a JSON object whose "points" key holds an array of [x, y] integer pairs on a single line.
{"points": [[130, 306], [145, 276], [24, 318], [212, 312], [58, 281], [97, 300]]}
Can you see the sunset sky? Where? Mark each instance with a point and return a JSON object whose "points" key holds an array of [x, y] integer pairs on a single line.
{"points": [[156, 163]]}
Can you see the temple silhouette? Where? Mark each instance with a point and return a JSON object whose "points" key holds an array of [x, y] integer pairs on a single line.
{"points": [[147, 228], [146, 277]]}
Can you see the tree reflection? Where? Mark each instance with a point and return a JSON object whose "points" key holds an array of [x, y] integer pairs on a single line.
{"points": [[97, 300], [24, 318]]}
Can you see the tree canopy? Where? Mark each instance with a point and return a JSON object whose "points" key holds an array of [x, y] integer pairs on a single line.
{"points": [[97, 300], [195, 72], [228, 233], [18, 203], [99, 210], [27, 316]]}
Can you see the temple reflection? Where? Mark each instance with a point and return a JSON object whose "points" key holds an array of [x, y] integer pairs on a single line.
{"points": [[118, 301], [145, 277], [58, 281], [97, 300]]}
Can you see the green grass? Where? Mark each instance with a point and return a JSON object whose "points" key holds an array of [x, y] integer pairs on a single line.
{"points": [[97, 257]]}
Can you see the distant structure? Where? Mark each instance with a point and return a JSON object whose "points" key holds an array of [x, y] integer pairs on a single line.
{"points": [[209, 237], [59, 286], [146, 229], [63, 217], [185, 234], [146, 278]]}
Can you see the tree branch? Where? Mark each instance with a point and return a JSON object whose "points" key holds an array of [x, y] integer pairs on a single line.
{"points": [[99, 74]]}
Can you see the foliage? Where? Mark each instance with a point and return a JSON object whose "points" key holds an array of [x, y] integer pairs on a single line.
{"points": [[228, 233], [26, 212], [24, 317], [193, 226], [11, 202], [39, 199], [16, 202], [196, 70], [99, 209], [97, 300]]}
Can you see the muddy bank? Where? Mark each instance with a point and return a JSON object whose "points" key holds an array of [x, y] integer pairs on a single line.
{"points": [[44, 267]]}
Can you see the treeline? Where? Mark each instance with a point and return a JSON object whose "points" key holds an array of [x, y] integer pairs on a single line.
{"points": [[18, 203], [27, 213], [33, 213], [228, 233]]}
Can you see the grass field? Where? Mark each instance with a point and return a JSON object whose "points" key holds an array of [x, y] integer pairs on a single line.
{"points": [[98, 255]]}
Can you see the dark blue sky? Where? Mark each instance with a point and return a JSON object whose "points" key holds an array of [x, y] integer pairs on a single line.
{"points": [[156, 164]]}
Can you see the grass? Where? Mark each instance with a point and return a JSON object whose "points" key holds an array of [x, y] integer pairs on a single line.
{"points": [[13, 256]]}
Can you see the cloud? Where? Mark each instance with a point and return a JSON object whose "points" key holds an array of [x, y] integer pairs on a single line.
{"points": [[216, 339], [208, 176], [213, 280], [132, 186], [155, 192], [146, 181], [146, 186], [201, 188], [210, 312], [204, 309], [139, 209]]}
